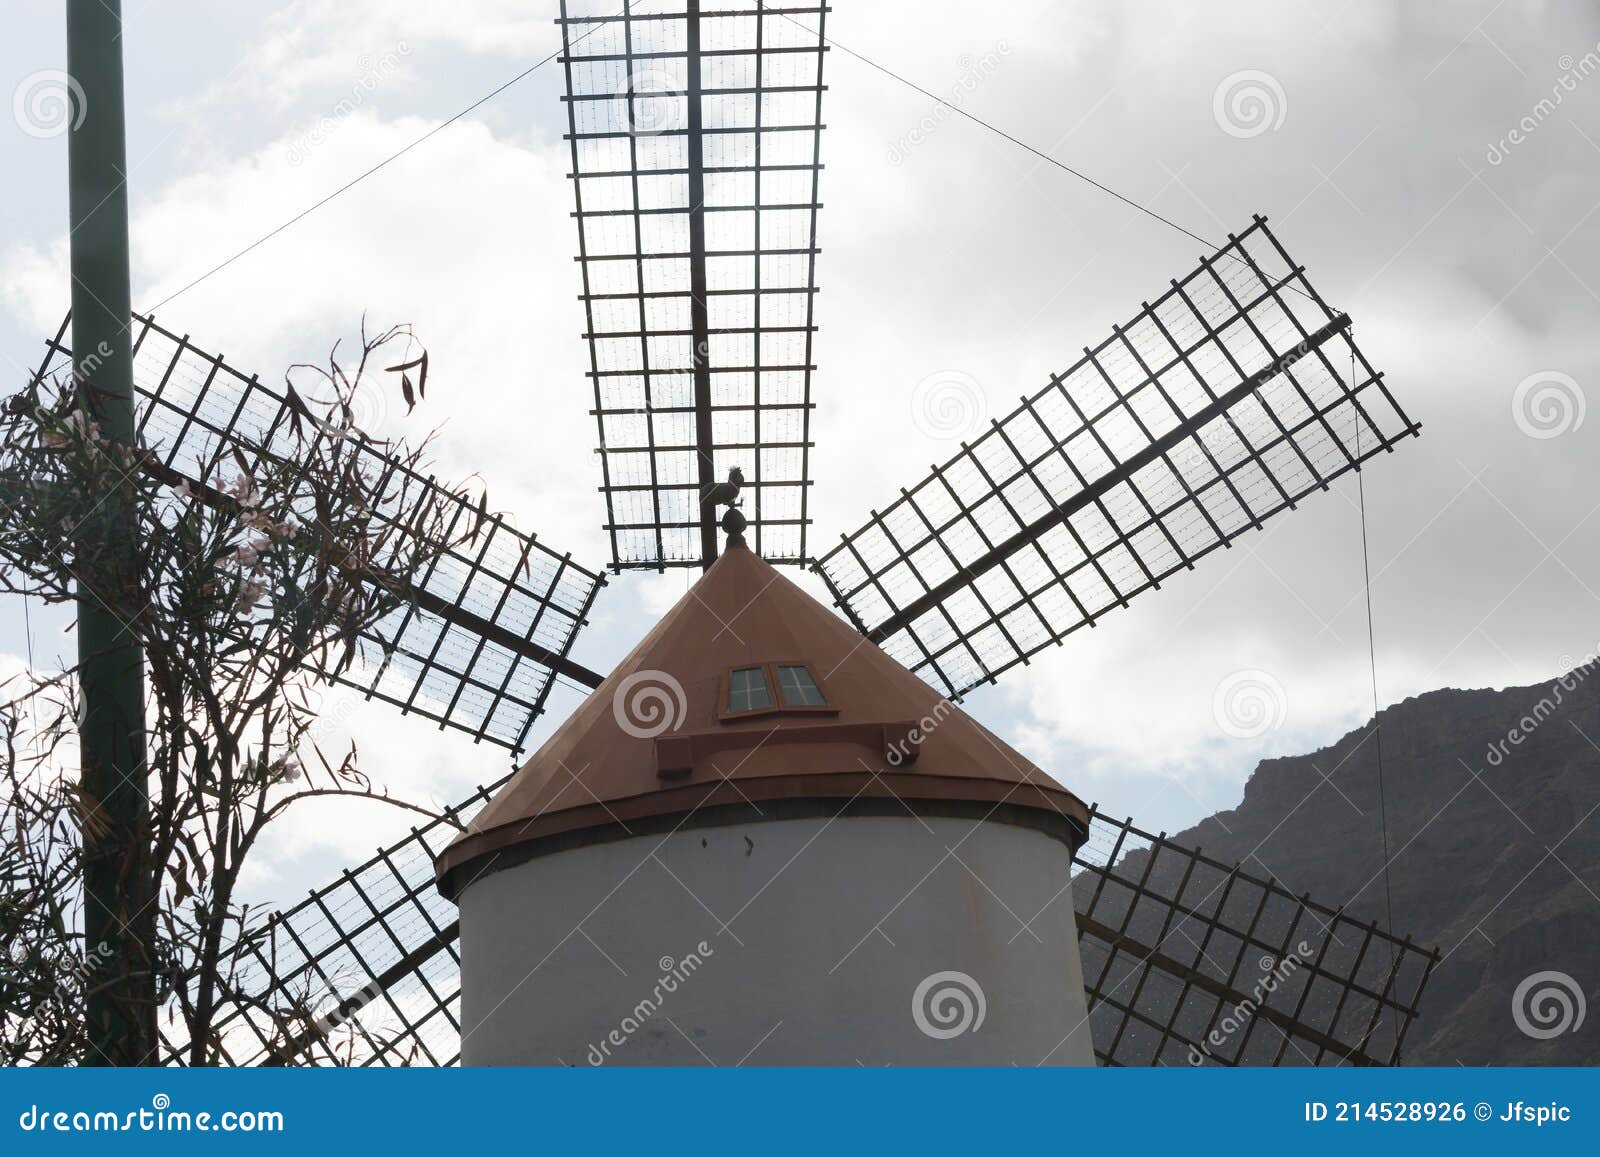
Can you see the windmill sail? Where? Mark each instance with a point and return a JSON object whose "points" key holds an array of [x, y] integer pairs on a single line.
{"points": [[1186, 960], [1226, 400], [695, 136], [373, 955], [474, 645]]}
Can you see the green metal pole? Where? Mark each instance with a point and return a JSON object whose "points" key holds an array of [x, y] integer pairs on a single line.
{"points": [[119, 910]]}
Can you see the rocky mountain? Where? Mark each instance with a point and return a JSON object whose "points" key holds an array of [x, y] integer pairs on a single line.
{"points": [[1493, 803]]}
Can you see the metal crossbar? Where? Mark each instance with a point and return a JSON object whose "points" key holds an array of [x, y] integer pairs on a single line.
{"points": [[476, 640], [1188, 960], [1185, 960], [695, 136], [1220, 404]]}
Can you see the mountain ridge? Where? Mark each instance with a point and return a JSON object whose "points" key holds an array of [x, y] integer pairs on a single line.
{"points": [[1494, 843]]}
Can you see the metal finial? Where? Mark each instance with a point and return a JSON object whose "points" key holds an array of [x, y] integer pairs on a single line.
{"points": [[734, 522], [727, 494]]}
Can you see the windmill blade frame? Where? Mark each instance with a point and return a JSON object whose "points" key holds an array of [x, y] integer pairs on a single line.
{"points": [[695, 142], [373, 955], [1174, 945], [476, 642], [1168, 935], [1216, 407]]}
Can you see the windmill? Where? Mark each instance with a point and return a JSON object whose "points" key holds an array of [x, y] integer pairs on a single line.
{"points": [[1223, 401]]}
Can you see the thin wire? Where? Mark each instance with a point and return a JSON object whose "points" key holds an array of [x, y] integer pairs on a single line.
{"points": [[1000, 132], [831, 42], [1024, 145], [27, 630], [390, 159], [27, 624], [1372, 667]]}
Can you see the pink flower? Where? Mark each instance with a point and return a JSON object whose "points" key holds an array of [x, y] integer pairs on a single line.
{"points": [[250, 594], [243, 489]]}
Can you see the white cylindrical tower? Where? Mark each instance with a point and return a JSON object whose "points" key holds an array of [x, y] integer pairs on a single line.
{"points": [[763, 841]]}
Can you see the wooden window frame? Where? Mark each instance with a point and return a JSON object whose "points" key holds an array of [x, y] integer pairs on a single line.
{"points": [[769, 672]]}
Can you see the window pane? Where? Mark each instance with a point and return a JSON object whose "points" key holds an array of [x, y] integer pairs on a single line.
{"points": [[747, 690], [799, 688]]}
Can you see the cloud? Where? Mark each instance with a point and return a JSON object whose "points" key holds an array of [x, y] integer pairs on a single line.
{"points": [[1000, 267], [497, 314], [966, 256], [311, 46]]}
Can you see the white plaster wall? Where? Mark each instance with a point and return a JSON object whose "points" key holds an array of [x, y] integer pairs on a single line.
{"points": [[793, 942]]}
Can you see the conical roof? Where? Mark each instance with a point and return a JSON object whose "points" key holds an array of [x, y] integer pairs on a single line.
{"points": [[655, 745]]}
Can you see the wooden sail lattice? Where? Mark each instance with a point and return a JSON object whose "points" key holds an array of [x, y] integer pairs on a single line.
{"points": [[1186, 960], [1223, 402], [474, 646], [695, 139], [695, 133]]}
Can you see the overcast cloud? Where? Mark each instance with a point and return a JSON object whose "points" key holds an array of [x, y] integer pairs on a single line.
{"points": [[1436, 168]]}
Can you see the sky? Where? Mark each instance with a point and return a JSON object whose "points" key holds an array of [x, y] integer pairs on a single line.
{"points": [[1435, 167]]}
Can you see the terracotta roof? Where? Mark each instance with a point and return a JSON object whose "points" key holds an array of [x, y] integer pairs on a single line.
{"points": [[653, 740]]}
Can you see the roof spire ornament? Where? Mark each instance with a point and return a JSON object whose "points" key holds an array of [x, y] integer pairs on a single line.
{"points": [[733, 522], [727, 494]]}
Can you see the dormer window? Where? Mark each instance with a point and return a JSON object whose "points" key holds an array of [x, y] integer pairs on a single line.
{"points": [[773, 688], [748, 690], [798, 687]]}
